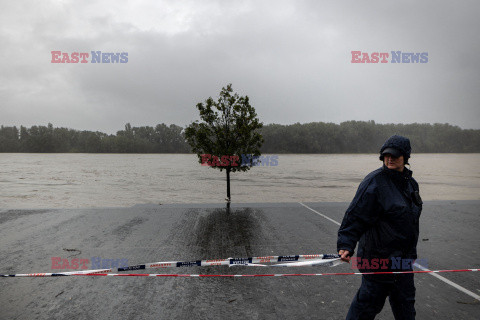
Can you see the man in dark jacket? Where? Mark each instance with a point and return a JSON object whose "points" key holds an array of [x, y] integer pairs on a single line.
{"points": [[383, 219]]}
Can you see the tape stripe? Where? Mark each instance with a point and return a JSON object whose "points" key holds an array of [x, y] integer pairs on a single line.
{"points": [[230, 275], [287, 258], [189, 263], [139, 267]]}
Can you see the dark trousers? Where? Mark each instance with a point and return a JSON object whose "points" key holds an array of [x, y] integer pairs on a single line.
{"points": [[370, 298]]}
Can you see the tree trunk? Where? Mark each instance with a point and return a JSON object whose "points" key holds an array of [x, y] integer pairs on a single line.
{"points": [[228, 185]]}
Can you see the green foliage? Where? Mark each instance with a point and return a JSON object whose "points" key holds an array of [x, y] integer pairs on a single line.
{"points": [[161, 139], [366, 137], [315, 137], [229, 127]]}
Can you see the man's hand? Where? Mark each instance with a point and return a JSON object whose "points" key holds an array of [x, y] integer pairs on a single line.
{"points": [[344, 255]]}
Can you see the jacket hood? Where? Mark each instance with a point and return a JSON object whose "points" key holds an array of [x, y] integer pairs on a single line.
{"points": [[400, 143]]}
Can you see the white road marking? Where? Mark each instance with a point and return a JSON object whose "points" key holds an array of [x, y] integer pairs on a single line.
{"points": [[322, 215], [453, 284]]}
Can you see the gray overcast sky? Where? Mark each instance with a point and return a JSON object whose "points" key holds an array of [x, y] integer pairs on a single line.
{"points": [[292, 58]]}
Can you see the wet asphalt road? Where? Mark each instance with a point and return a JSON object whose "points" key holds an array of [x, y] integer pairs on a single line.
{"points": [[449, 239]]}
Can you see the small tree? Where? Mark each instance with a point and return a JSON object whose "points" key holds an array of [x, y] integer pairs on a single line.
{"points": [[229, 129]]}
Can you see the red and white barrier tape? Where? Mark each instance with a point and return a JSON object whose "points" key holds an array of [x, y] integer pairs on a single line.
{"points": [[265, 261], [310, 259], [87, 273]]}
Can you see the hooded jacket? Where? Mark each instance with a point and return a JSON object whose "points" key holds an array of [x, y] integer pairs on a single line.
{"points": [[383, 217]]}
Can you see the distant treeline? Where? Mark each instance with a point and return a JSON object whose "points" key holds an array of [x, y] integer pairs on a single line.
{"points": [[315, 137], [161, 139], [366, 137]]}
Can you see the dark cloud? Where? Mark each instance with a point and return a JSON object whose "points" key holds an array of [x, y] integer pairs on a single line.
{"points": [[291, 58]]}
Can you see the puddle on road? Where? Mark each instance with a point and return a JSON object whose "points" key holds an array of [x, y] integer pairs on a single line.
{"points": [[219, 233]]}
